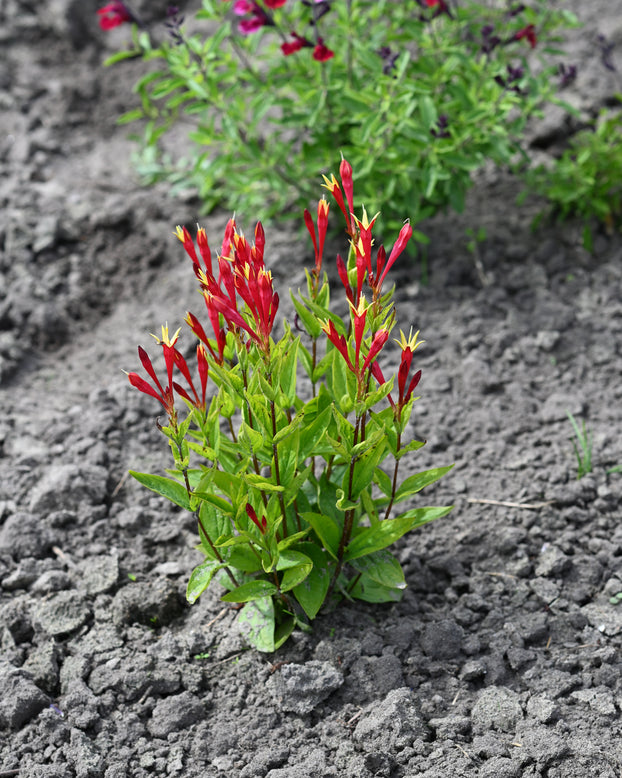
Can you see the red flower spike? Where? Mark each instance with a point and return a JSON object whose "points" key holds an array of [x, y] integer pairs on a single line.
{"points": [[168, 349], [184, 236], [398, 247], [409, 346], [323, 208], [376, 347], [113, 15], [262, 525], [528, 32]]}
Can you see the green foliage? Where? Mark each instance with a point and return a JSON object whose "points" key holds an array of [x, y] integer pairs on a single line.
{"points": [[415, 97], [296, 496], [582, 446], [586, 180]]}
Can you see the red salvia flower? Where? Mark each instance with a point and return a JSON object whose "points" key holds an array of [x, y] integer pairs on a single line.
{"points": [[528, 32], [299, 42], [113, 15], [321, 53]]}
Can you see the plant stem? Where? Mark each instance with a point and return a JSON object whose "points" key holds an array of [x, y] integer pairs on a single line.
{"points": [[394, 486], [277, 474], [216, 552]]}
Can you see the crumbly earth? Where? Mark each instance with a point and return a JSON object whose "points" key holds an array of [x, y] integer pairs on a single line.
{"points": [[503, 658]]}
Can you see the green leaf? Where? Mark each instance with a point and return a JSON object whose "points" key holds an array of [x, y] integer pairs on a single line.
{"points": [[172, 490], [256, 623], [251, 590], [382, 567], [387, 532], [288, 372], [201, 577], [415, 483], [312, 324], [326, 529], [259, 482], [312, 592], [368, 590]]}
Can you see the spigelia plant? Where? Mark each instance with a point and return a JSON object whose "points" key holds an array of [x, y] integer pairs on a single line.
{"points": [[417, 95], [288, 450]]}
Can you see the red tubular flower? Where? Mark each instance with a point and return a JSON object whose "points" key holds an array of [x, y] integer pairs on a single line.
{"points": [[184, 236], [345, 171], [409, 346], [321, 53], [359, 314], [262, 525], [343, 275], [528, 32], [398, 247], [322, 227], [275, 3], [380, 338], [338, 341], [378, 375], [113, 15], [165, 396]]}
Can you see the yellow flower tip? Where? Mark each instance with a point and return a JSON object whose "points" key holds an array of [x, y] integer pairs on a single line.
{"points": [[360, 309], [179, 232], [165, 340], [411, 342], [330, 183]]}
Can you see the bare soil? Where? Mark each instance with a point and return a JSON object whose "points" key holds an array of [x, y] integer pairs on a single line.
{"points": [[503, 658]]}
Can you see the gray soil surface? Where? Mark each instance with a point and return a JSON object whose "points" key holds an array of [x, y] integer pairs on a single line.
{"points": [[503, 658]]}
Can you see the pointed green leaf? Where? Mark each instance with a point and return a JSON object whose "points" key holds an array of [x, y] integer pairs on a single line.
{"points": [[326, 529], [201, 577], [256, 623], [251, 590], [368, 590], [172, 490], [387, 532], [311, 593], [382, 567], [415, 483]]}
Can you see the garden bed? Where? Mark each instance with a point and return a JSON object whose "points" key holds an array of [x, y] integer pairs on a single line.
{"points": [[503, 657]]}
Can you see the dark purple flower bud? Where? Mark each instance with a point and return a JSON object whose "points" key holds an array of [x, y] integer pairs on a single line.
{"points": [[605, 53], [441, 130], [489, 41], [517, 9], [389, 57], [567, 74], [173, 23]]}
